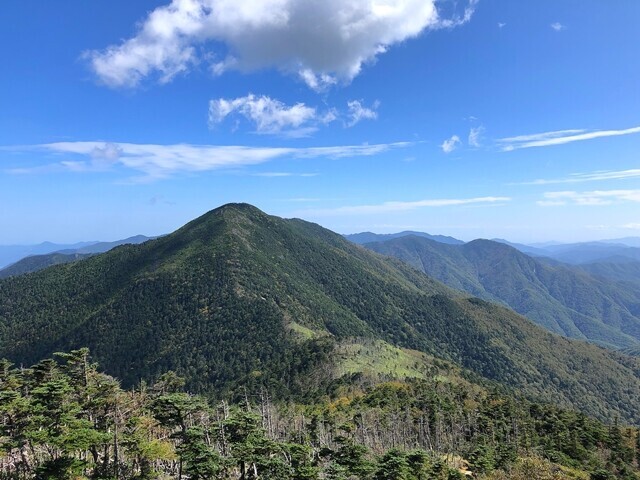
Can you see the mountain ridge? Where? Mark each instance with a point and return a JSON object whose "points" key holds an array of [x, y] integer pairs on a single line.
{"points": [[368, 237], [564, 299], [238, 299]]}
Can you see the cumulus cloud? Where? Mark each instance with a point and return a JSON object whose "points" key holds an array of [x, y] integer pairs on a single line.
{"points": [[387, 207], [358, 112], [270, 116], [322, 42], [450, 144], [593, 198], [153, 162], [559, 137], [557, 26]]}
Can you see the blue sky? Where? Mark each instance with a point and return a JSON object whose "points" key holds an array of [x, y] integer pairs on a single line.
{"points": [[489, 118]]}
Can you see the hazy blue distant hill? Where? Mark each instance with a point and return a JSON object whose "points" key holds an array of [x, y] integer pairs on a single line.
{"points": [[562, 298], [241, 299], [610, 251], [528, 249], [12, 253], [628, 241], [101, 247], [593, 252], [70, 253], [368, 237], [35, 263]]}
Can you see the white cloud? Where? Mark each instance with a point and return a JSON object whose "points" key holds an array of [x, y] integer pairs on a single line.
{"points": [[501, 25], [557, 26], [387, 207], [450, 144], [601, 175], [270, 116], [475, 135], [632, 226], [322, 42], [154, 161], [593, 198], [358, 112], [559, 137]]}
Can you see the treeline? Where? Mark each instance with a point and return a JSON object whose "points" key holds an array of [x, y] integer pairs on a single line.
{"points": [[63, 419]]}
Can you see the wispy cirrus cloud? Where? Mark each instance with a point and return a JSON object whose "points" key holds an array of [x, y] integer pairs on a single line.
{"points": [[558, 137], [323, 43], [153, 161], [283, 174], [600, 175], [592, 198], [398, 206]]}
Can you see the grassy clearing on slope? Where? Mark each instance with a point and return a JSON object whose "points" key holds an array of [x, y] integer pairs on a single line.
{"points": [[378, 358]]}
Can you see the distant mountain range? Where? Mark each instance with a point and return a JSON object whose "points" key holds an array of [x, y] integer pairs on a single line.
{"points": [[27, 259], [584, 303], [369, 237], [591, 252], [35, 263], [238, 299], [12, 253], [620, 250]]}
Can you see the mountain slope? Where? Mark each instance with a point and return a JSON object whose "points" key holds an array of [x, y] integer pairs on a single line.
{"points": [[618, 271], [35, 263], [239, 298], [12, 253], [38, 257], [561, 298]]}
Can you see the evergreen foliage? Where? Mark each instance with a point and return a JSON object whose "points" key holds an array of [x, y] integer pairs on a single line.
{"points": [[562, 298], [237, 301], [64, 419]]}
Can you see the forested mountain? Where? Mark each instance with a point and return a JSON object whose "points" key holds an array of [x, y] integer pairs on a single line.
{"points": [[101, 247], [35, 263], [237, 300], [27, 259], [619, 271], [562, 298], [12, 253], [368, 237]]}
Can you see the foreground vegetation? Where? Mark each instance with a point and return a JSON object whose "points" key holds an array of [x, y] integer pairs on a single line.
{"points": [[63, 419]]}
